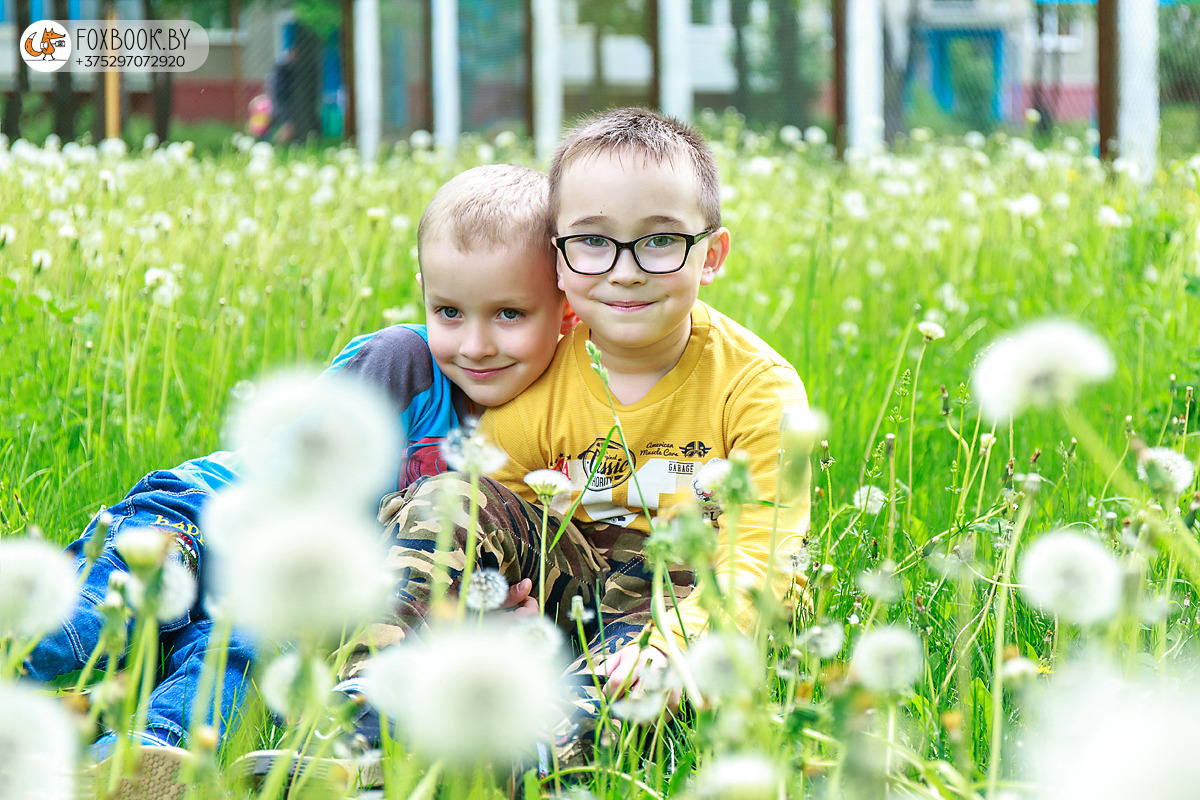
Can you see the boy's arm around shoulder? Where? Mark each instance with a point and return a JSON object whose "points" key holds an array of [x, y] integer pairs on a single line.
{"points": [[752, 422]]}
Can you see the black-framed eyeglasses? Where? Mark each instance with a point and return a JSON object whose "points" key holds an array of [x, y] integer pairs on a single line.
{"points": [[655, 253]]}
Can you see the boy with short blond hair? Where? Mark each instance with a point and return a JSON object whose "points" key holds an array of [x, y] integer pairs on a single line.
{"points": [[637, 218], [495, 314]]}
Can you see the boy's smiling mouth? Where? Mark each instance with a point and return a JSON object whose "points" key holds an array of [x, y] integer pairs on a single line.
{"points": [[483, 374], [628, 305]]}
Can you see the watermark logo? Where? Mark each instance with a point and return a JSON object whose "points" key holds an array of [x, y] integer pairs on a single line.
{"points": [[46, 46]]}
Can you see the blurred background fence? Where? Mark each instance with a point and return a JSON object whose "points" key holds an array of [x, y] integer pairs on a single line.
{"points": [[948, 65]]}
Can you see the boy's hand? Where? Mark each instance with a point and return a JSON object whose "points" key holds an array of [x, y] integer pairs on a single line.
{"points": [[629, 671], [518, 601]]}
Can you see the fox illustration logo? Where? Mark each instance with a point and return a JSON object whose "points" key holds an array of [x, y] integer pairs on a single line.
{"points": [[50, 40]]}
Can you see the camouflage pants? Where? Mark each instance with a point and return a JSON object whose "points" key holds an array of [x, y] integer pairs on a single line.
{"points": [[599, 562]]}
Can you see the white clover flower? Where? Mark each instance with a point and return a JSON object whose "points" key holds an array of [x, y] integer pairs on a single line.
{"points": [[307, 572], [931, 331], [1071, 576], [869, 499], [888, 659], [38, 589], [1101, 736], [37, 746], [143, 548], [825, 640], [725, 667], [1165, 471], [469, 695], [815, 136], [329, 436], [1041, 364], [488, 590], [41, 260], [292, 684], [739, 777], [547, 483], [467, 450]]}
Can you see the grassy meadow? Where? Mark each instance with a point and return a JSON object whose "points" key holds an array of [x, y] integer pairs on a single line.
{"points": [[139, 289]]}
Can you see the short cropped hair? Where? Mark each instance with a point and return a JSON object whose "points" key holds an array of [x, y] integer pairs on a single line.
{"points": [[641, 132], [492, 205]]}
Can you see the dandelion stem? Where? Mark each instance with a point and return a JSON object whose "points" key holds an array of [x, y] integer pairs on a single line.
{"points": [[470, 545], [886, 398], [542, 559], [912, 431]]}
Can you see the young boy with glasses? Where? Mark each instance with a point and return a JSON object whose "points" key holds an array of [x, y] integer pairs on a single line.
{"points": [[635, 198]]}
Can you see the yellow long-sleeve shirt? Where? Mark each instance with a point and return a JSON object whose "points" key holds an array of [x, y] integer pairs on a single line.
{"points": [[728, 391]]}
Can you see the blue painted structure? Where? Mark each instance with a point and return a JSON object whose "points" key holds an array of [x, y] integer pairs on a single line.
{"points": [[937, 43]]}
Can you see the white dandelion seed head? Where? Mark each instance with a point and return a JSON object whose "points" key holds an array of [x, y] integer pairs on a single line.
{"points": [[112, 147], [1165, 471], [1101, 736], [725, 667], [1071, 576], [178, 591], [306, 573], [974, 140], [421, 140], [802, 427], [888, 659], [7, 234], [1019, 671], [469, 695], [880, 584], [547, 483], [1109, 217], [1041, 364], [291, 684], [38, 588], [38, 741], [986, 442], [144, 548], [41, 259], [506, 139], [869, 499], [467, 450], [825, 640], [488, 590], [747, 776], [815, 136], [540, 634], [1061, 201], [305, 436], [931, 331], [1026, 206], [711, 478]]}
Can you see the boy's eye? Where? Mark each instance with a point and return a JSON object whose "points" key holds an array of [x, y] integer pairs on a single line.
{"points": [[511, 314], [598, 242], [448, 312], [663, 240]]}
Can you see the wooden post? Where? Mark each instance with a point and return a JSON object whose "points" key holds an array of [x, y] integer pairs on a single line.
{"points": [[839, 77], [112, 91], [1106, 76], [235, 55], [346, 39]]}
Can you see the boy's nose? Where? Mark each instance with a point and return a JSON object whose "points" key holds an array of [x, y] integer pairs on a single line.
{"points": [[626, 271], [477, 342]]}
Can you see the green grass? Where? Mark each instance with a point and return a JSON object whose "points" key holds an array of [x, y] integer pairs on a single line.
{"points": [[99, 384]]}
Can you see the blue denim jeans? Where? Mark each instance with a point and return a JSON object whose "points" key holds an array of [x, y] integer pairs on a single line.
{"points": [[166, 501]]}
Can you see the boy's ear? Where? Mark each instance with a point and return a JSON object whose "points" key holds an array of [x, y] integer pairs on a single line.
{"points": [[714, 257], [569, 319], [419, 283]]}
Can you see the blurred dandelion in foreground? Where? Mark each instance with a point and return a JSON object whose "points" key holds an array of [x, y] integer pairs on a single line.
{"points": [[931, 331], [38, 589], [37, 746], [725, 667], [1165, 471], [307, 573], [869, 499], [1041, 364], [317, 437], [739, 777], [294, 682], [467, 694], [825, 640], [1100, 736], [888, 659], [1071, 576], [467, 450]]}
